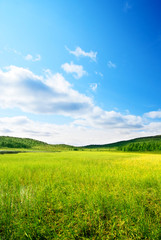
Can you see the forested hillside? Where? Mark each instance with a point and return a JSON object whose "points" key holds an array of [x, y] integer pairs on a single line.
{"points": [[13, 142], [30, 144], [145, 144], [141, 146]]}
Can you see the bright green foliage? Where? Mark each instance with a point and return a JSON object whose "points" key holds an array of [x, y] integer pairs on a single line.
{"points": [[14, 143], [80, 195], [145, 144], [150, 146]]}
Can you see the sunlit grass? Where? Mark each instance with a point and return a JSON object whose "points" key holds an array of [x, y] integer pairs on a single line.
{"points": [[80, 195]]}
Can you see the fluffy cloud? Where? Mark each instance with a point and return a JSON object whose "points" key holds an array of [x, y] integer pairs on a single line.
{"points": [[29, 57], [50, 94], [153, 114], [101, 119], [81, 53], [77, 70], [111, 64], [73, 134]]}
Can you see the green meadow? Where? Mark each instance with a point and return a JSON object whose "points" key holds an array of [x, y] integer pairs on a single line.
{"points": [[80, 195]]}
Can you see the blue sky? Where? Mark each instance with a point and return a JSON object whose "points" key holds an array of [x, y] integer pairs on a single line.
{"points": [[80, 72]]}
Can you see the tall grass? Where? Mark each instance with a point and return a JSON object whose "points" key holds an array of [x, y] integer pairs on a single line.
{"points": [[80, 195]]}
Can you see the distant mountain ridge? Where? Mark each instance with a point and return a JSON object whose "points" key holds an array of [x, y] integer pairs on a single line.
{"points": [[143, 144]]}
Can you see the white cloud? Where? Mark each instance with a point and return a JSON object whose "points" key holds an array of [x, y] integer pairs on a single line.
{"points": [[79, 52], [72, 133], [29, 57], [77, 70], [98, 118], [111, 64], [50, 94], [93, 86], [153, 114]]}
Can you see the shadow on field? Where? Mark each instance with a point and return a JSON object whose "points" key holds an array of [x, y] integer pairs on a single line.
{"points": [[9, 152]]}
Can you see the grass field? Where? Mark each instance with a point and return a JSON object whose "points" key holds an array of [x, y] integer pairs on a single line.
{"points": [[80, 195]]}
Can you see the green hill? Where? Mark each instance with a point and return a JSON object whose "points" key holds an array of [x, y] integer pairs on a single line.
{"points": [[143, 144], [30, 144]]}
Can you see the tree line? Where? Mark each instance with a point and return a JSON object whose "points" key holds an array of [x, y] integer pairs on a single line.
{"points": [[141, 147]]}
